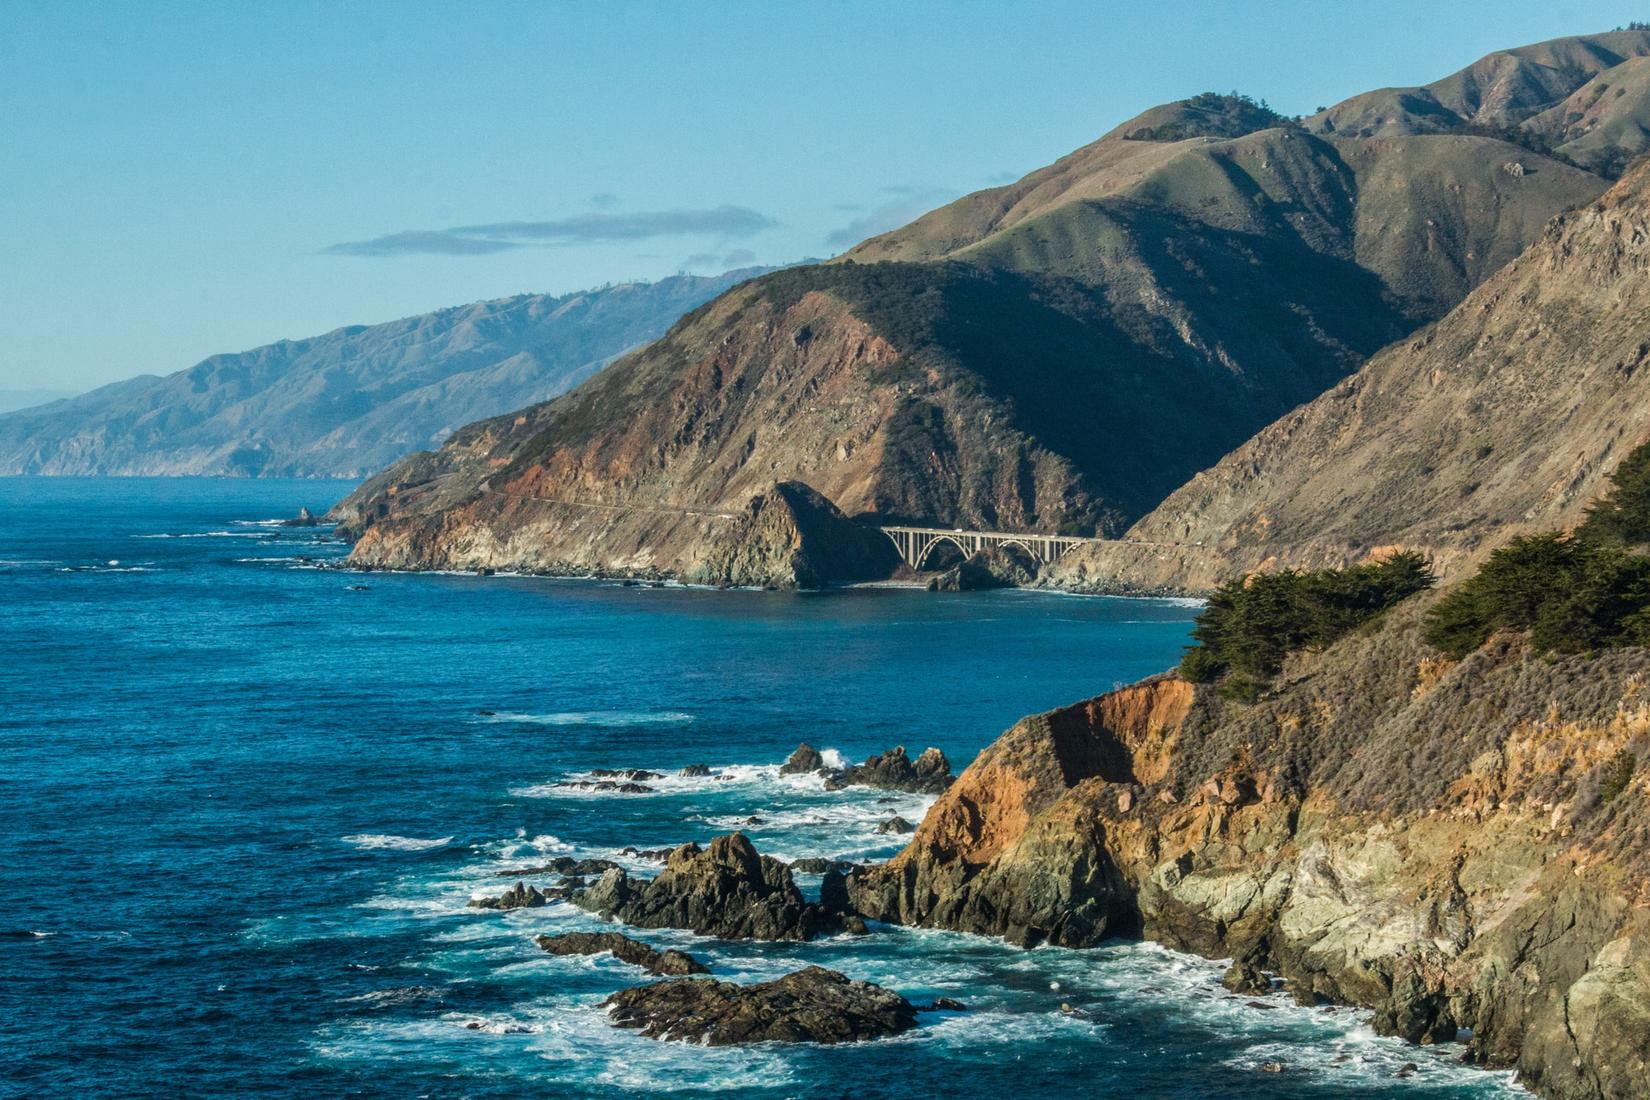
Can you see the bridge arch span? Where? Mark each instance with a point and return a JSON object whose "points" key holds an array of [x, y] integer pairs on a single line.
{"points": [[935, 542]]}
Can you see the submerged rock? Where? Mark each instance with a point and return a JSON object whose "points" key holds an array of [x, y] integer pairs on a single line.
{"points": [[625, 949], [519, 896], [636, 774], [606, 785], [727, 890], [814, 1005]]}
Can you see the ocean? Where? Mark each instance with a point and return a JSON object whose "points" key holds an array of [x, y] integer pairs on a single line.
{"points": [[246, 800]]}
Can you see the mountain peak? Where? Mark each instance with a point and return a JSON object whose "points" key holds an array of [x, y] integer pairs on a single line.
{"points": [[1208, 114]]}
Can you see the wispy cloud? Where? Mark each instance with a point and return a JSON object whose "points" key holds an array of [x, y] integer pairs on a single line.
{"points": [[914, 201], [722, 222], [431, 242]]}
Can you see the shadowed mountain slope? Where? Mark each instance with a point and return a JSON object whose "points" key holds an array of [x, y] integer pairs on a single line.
{"points": [[1501, 417]]}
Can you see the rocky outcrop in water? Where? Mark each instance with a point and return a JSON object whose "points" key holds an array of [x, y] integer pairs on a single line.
{"points": [[625, 949], [814, 1005], [727, 890], [1451, 845], [930, 773], [805, 759], [519, 896]]}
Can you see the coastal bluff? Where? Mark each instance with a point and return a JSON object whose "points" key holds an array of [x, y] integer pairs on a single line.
{"points": [[1440, 842]]}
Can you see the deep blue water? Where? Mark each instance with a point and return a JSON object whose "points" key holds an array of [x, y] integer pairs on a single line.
{"points": [[244, 805]]}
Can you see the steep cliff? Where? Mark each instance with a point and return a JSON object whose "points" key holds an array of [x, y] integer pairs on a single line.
{"points": [[1504, 415], [1059, 354], [1454, 845]]}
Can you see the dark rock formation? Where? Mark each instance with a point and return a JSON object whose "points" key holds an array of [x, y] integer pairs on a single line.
{"points": [[634, 774], [804, 760], [814, 1005], [896, 825], [727, 890], [625, 949], [606, 785], [793, 537], [986, 569], [561, 865], [819, 865], [304, 518], [519, 896], [894, 771], [695, 771]]}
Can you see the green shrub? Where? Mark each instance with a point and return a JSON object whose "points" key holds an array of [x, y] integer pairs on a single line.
{"points": [[1573, 593], [1250, 626], [1618, 772]]}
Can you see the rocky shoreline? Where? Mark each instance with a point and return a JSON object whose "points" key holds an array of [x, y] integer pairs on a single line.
{"points": [[1486, 891]]}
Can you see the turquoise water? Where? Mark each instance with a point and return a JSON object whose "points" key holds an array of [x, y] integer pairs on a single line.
{"points": [[246, 801]]}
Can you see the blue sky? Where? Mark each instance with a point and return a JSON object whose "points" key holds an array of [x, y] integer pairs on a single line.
{"points": [[183, 179]]}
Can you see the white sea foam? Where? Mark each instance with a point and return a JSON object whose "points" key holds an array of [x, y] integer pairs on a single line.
{"points": [[592, 718], [205, 535], [391, 843]]}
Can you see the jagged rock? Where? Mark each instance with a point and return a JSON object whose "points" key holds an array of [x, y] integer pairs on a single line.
{"points": [[561, 865], [945, 1004], [635, 774], [304, 518], [896, 825], [652, 855], [625, 949], [727, 890], [793, 537], [519, 896], [695, 771], [894, 771], [813, 1005], [1244, 978], [804, 760]]}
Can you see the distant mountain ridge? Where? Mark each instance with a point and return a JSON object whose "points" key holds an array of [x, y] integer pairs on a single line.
{"points": [[351, 401], [1059, 354]]}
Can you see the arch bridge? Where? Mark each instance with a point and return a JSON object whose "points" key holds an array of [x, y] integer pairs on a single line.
{"points": [[916, 543]]}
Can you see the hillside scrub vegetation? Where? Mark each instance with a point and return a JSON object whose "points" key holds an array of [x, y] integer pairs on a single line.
{"points": [[1575, 593], [1250, 625]]}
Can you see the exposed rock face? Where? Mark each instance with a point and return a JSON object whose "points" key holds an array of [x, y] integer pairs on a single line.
{"points": [[896, 826], [986, 569], [805, 759], [519, 896], [930, 773], [624, 949], [792, 537], [1432, 841], [727, 890], [1505, 416], [814, 1005]]}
